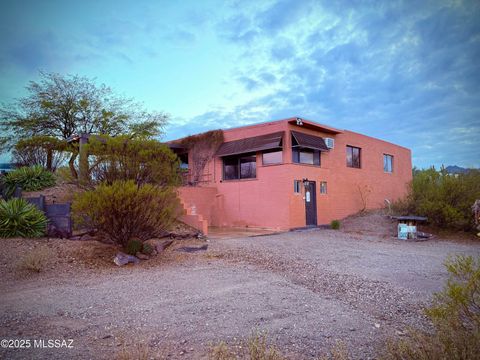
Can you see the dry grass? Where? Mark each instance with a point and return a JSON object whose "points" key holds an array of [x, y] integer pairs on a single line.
{"points": [[337, 352], [256, 347], [139, 351], [36, 260]]}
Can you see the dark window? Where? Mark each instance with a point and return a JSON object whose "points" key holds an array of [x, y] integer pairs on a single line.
{"points": [[353, 156], [387, 163], [296, 186], [183, 160], [323, 187], [302, 155], [272, 157], [230, 168], [239, 167], [305, 156]]}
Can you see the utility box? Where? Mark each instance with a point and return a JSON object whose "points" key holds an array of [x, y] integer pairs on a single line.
{"points": [[406, 232]]}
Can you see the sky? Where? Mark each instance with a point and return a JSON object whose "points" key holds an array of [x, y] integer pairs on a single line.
{"points": [[407, 72]]}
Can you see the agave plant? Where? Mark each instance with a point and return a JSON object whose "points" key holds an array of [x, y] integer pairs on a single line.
{"points": [[31, 178], [19, 218]]}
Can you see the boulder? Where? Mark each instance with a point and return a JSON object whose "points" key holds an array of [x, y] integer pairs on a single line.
{"points": [[122, 259]]}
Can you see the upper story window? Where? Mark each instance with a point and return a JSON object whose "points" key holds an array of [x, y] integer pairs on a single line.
{"points": [[303, 155], [272, 157], [239, 167], [387, 163], [353, 156]]}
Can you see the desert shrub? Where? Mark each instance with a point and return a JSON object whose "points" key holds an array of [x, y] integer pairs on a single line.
{"points": [[45, 151], [147, 249], [455, 314], [124, 210], [335, 224], [18, 218], [64, 174], [444, 198], [31, 178], [35, 260], [258, 348], [134, 246], [124, 158]]}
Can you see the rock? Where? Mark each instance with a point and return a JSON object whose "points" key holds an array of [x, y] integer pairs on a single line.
{"points": [[158, 244], [142, 256], [377, 325], [123, 259]]}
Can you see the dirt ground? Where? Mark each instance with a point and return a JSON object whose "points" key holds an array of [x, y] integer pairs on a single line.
{"points": [[307, 289]]}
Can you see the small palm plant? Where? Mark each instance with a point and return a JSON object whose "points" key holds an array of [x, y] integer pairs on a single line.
{"points": [[19, 218], [31, 178]]}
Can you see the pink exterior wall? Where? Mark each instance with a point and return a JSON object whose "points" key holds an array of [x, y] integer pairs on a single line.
{"points": [[269, 201]]}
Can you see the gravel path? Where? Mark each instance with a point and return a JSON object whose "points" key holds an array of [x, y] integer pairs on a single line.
{"points": [[307, 289]]}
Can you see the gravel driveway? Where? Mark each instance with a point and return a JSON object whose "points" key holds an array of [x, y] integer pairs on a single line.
{"points": [[307, 289]]}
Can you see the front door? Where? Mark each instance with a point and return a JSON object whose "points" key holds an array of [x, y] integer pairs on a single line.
{"points": [[311, 204]]}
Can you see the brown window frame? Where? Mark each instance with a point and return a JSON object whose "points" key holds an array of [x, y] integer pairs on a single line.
{"points": [[352, 164], [385, 168], [271, 152], [238, 160]]}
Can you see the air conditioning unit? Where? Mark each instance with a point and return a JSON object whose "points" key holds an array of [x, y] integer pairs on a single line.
{"points": [[329, 142]]}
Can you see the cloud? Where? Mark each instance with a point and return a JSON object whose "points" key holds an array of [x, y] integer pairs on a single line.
{"points": [[281, 14]]}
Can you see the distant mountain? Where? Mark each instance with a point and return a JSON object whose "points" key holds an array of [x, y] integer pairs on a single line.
{"points": [[454, 169]]}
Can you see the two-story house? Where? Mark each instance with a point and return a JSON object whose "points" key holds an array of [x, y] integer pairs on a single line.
{"points": [[292, 173]]}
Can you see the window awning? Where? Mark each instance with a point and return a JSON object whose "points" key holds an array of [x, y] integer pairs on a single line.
{"points": [[310, 141], [252, 144]]}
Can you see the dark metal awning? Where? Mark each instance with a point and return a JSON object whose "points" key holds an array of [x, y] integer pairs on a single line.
{"points": [[310, 141], [252, 144]]}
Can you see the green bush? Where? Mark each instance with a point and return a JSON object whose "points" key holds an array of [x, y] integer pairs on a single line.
{"points": [[18, 218], [134, 246], [122, 158], [335, 224], [455, 314], [147, 249], [444, 198], [31, 178], [123, 210]]}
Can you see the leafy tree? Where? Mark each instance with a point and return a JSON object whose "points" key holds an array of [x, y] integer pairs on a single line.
{"points": [[125, 158], [46, 151], [64, 105]]}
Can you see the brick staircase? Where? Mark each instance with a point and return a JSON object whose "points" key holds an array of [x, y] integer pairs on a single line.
{"points": [[192, 218]]}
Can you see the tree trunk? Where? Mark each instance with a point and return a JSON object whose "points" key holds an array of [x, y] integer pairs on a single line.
{"points": [[83, 176], [49, 159], [71, 164]]}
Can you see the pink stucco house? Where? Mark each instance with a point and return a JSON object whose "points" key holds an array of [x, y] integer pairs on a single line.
{"points": [[292, 173]]}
